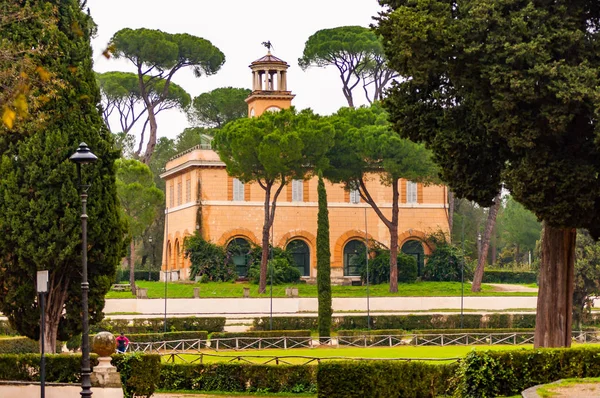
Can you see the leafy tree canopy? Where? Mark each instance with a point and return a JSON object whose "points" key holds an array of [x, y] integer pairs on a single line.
{"points": [[219, 106], [351, 49]]}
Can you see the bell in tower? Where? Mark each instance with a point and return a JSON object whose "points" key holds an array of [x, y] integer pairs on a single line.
{"points": [[269, 85]]}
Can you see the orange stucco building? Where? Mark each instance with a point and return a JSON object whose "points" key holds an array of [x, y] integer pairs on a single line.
{"points": [[200, 195]]}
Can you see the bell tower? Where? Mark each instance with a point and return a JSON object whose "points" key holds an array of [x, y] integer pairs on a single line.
{"points": [[269, 85]]}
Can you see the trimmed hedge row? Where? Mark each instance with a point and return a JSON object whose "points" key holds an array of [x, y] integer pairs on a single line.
{"points": [[493, 276], [497, 373], [18, 345], [169, 336], [156, 325], [227, 377], [371, 337], [404, 322], [139, 372], [249, 339], [382, 379]]}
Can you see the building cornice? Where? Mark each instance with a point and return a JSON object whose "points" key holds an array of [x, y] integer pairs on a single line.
{"points": [[306, 204], [191, 164]]}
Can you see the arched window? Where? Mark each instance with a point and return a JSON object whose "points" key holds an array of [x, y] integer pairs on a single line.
{"points": [[177, 255], [169, 256], [238, 250], [301, 255], [354, 257], [415, 248]]}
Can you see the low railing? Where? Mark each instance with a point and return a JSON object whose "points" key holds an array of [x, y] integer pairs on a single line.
{"points": [[365, 341]]}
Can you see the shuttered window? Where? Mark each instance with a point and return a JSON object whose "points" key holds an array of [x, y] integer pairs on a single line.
{"points": [[354, 196], [238, 190], [297, 190], [411, 192]]}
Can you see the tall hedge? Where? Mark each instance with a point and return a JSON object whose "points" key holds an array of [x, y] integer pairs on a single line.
{"points": [[323, 263], [384, 379], [496, 373], [156, 325], [228, 377]]}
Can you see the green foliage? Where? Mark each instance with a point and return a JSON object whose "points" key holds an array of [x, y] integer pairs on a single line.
{"points": [[279, 271], [249, 339], [323, 262], [403, 322], [472, 93], [384, 379], [139, 373], [157, 56], [273, 149], [169, 336], [156, 325], [498, 276], [218, 107], [19, 345], [121, 93], [140, 198], [139, 275], [355, 51], [446, 264], [379, 267], [208, 260], [519, 229], [60, 368], [39, 190], [6, 329], [587, 276], [490, 374], [228, 377]]}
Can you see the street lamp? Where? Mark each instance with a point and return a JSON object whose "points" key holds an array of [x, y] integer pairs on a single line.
{"points": [[84, 155], [42, 289]]}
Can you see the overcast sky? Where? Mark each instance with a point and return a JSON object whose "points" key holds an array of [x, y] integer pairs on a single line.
{"points": [[237, 28]]}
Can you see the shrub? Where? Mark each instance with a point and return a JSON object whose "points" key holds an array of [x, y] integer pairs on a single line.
{"points": [[238, 378], [490, 374], [279, 270], [445, 263], [26, 367], [371, 337], [379, 268], [383, 379], [208, 260], [169, 336], [139, 373], [497, 276], [295, 338], [156, 325], [6, 329], [139, 275], [19, 345]]}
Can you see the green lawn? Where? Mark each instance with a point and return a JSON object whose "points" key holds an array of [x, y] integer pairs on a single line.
{"points": [[219, 290], [549, 390], [302, 355]]}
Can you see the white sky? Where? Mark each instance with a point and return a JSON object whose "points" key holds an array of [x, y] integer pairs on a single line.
{"points": [[237, 28]]}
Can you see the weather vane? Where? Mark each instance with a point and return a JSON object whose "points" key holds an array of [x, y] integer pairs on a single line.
{"points": [[268, 45]]}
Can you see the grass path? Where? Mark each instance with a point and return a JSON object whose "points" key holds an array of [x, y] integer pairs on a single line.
{"points": [[225, 289]]}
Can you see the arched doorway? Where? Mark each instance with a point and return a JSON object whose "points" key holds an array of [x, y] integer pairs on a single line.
{"points": [[238, 250], [354, 257], [301, 255], [177, 255], [415, 248]]}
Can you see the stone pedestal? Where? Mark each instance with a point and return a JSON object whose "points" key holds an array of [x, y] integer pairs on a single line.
{"points": [[105, 375]]}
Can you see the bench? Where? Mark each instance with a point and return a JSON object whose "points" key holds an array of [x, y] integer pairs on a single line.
{"points": [[121, 287]]}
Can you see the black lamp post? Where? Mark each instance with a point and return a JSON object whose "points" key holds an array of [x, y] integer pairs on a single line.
{"points": [[84, 155]]}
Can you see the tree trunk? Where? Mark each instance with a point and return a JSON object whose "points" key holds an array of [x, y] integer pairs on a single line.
{"points": [[555, 296], [131, 261], [152, 137], [262, 284], [450, 214], [485, 244], [393, 227], [348, 95], [55, 301]]}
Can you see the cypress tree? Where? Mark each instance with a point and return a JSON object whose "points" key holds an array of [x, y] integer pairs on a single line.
{"points": [[40, 206], [323, 263]]}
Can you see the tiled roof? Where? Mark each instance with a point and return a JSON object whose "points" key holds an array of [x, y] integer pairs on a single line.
{"points": [[269, 58]]}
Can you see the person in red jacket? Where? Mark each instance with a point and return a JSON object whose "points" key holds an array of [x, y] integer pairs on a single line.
{"points": [[122, 343]]}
